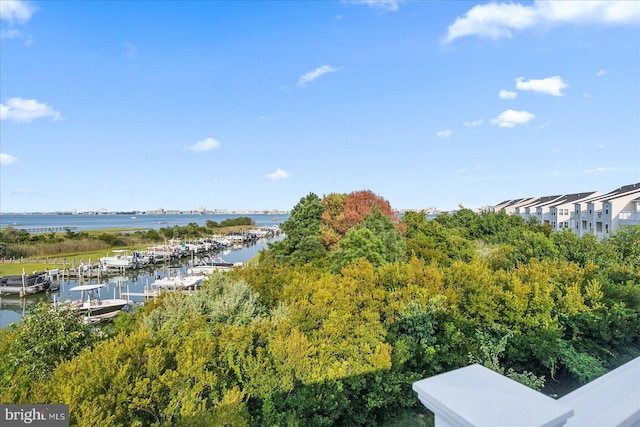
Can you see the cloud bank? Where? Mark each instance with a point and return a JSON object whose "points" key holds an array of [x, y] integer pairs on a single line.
{"points": [[390, 5], [444, 134], [474, 123], [511, 118], [500, 20], [7, 159], [278, 174], [312, 75], [507, 94], [551, 85], [14, 11], [25, 110], [204, 145]]}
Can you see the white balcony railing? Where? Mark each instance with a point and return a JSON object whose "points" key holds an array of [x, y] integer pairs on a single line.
{"points": [[629, 217], [477, 396]]}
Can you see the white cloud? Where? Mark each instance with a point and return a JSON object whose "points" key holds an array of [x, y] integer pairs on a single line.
{"points": [[278, 174], [474, 123], [600, 146], [511, 118], [506, 94], [15, 11], [391, 5], [204, 145], [7, 159], [312, 75], [498, 20], [601, 72], [10, 34], [550, 85], [25, 110], [444, 134], [599, 169]]}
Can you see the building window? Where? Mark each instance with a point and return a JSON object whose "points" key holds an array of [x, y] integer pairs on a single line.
{"points": [[606, 228], [589, 211], [606, 211], [599, 227], [584, 225]]}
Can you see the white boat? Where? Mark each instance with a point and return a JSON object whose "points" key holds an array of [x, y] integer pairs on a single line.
{"points": [[211, 266], [92, 306], [179, 282], [121, 258]]}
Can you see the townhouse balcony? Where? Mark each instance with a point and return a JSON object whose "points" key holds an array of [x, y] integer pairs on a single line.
{"points": [[629, 218]]}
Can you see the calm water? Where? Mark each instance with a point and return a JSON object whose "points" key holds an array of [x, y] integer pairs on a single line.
{"points": [[98, 222], [12, 307]]}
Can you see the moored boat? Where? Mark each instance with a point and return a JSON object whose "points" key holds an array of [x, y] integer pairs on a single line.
{"points": [[92, 307], [24, 284], [121, 258], [179, 282], [210, 266]]}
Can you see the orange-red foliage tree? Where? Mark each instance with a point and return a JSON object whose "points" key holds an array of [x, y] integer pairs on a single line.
{"points": [[359, 203]]}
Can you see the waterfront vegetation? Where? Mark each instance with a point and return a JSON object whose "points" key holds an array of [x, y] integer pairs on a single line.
{"points": [[22, 250], [334, 323]]}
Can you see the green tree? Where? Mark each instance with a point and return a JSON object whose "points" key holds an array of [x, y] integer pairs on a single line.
{"points": [[31, 349], [382, 226], [358, 243], [303, 242]]}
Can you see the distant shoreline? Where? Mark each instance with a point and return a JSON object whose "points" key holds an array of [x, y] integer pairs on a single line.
{"points": [[80, 222]]}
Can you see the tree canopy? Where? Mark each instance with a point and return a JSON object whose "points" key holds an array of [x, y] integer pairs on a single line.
{"points": [[335, 322]]}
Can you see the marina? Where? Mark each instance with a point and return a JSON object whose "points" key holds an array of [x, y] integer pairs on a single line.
{"points": [[134, 285]]}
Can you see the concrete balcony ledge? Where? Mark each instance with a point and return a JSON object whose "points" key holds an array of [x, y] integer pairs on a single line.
{"points": [[477, 396], [611, 400]]}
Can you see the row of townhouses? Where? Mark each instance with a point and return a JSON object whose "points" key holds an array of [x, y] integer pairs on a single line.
{"points": [[584, 213]]}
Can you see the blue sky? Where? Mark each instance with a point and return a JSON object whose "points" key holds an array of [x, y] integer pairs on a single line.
{"points": [[252, 105]]}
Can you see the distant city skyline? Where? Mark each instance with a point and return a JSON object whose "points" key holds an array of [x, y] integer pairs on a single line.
{"points": [[253, 105]]}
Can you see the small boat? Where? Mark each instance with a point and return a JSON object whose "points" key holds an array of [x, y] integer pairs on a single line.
{"points": [[210, 266], [121, 258], [179, 282], [24, 284], [92, 306]]}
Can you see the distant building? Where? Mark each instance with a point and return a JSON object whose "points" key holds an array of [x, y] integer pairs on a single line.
{"points": [[584, 213]]}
